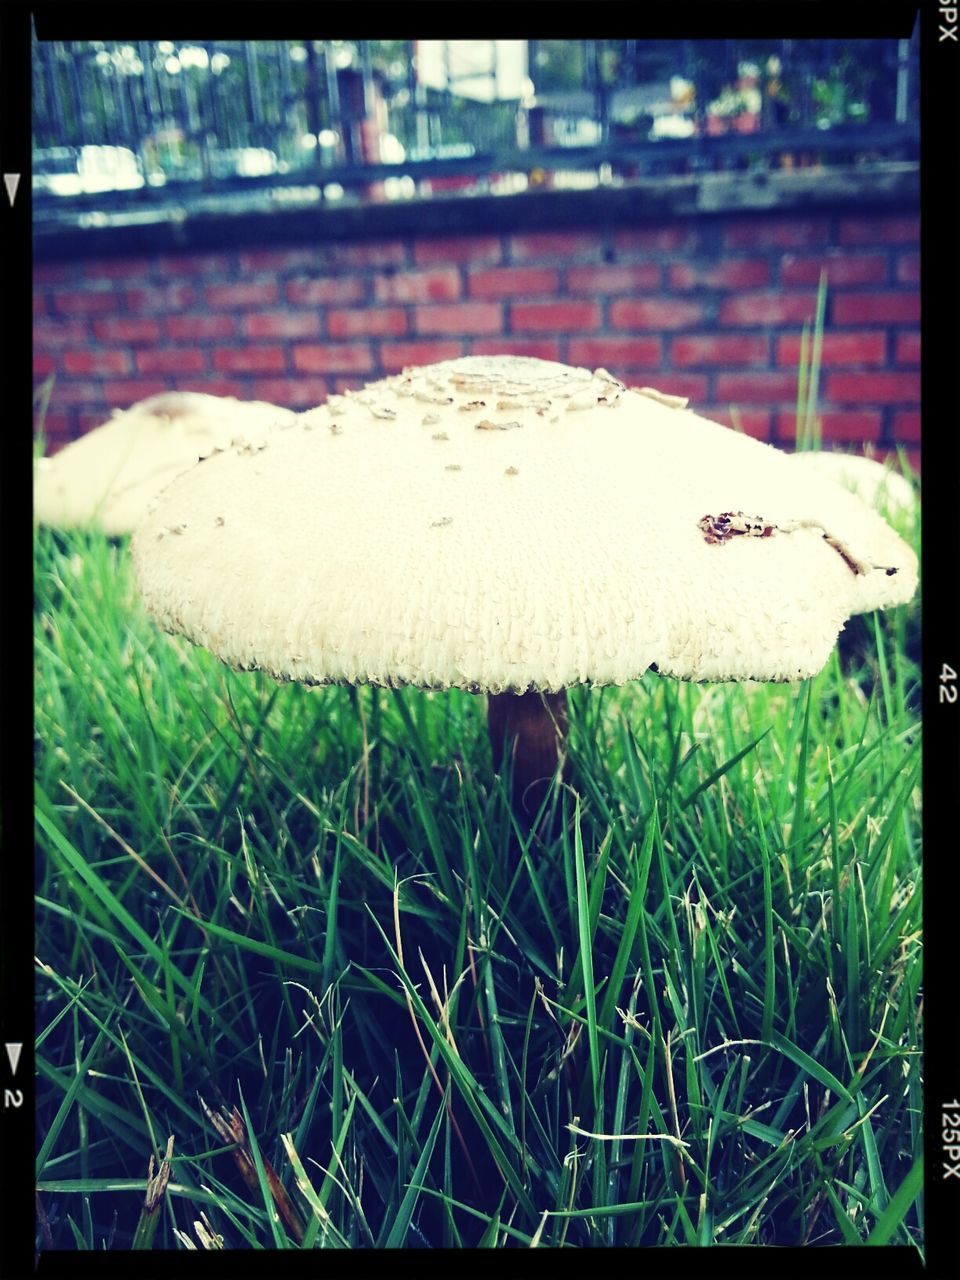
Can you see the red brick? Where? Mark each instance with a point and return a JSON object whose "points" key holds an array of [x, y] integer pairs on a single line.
{"points": [[69, 302], [214, 386], [512, 282], [187, 328], [39, 302], [43, 364], [873, 388], [117, 269], [554, 317], [159, 298], [342, 384], [642, 240], [757, 423], [281, 324], [249, 359], [906, 426], [528, 245], [869, 347], [750, 422], [96, 362], [128, 329], [720, 349], [768, 308], [474, 250], [616, 354], [279, 260], [729, 273], [87, 419], [437, 284], [316, 292], [55, 332], [766, 233], [396, 355], [882, 230], [908, 268], [372, 253], [836, 425], [692, 385], [459, 318], [621, 278], [539, 348], [57, 432], [69, 391], [764, 388], [193, 264], [244, 293], [889, 307], [655, 313], [299, 392], [864, 268], [328, 357], [907, 347], [372, 322], [171, 360], [123, 394]]}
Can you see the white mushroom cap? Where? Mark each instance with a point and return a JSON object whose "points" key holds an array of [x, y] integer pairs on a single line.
{"points": [[505, 523], [870, 480], [109, 475]]}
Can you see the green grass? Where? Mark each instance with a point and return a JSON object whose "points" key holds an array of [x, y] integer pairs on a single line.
{"points": [[304, 919]]}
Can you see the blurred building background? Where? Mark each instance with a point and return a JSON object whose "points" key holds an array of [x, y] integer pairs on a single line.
{"points": [[278, 220]]}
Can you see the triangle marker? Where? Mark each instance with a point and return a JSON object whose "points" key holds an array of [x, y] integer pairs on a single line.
{"points": [[11, 181], [13, 1053]]}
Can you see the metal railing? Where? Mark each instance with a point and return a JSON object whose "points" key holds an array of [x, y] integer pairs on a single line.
{"points": [[122, 125]]}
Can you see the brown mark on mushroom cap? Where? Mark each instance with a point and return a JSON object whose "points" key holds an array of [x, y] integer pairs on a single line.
{"points": [[721, 528]]}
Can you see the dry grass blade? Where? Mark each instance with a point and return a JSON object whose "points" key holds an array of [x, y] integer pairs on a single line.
{"points": [[672, 1097], [153, 1200], [46, 1235], [233, 1131], [629, 1137]]}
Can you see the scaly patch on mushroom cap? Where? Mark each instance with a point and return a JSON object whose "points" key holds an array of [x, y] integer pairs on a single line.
{"points": [[396, 535], [108, 476]]}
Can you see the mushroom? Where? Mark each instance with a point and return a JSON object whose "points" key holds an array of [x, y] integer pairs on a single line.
{"points": [[587, 533], [107, 477], [870, 480]]}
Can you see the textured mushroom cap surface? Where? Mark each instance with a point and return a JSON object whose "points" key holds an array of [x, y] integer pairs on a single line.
{"points": [[505, 523], [108, 476], [870, 480]]}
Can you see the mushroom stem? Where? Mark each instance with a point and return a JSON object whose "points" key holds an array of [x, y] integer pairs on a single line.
{"points": [[533, 728]]}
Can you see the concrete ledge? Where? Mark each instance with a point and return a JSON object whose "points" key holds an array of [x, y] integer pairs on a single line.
{"points": [[262, 220]]}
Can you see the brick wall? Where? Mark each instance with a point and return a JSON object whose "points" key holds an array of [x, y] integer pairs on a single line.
{"points": [[710, 308]]}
